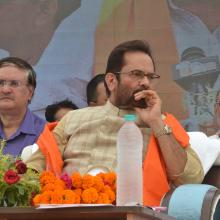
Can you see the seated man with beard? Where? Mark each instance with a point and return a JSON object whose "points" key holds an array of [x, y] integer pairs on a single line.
{"points": [[87, 137]]}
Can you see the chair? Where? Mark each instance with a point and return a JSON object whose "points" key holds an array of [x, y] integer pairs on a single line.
{"points": [[193, 202], [198, 201]]}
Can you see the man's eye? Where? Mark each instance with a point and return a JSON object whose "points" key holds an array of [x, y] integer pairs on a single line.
{"points": [[137, 73], [2, 82], [14, 83]]}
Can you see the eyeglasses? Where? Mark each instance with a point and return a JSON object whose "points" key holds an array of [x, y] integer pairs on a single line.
{"points": [[139, 75], [10, 83]]}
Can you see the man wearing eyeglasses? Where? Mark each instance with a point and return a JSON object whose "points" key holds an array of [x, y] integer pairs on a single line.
{"points": [[19, 127], [87, 137]]}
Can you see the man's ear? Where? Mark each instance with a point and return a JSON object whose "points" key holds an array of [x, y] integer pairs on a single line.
{"points": [[47, 11], [111, 81], [31, 92]]}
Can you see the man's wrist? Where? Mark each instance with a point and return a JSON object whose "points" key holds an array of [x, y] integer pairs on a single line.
{"points": [[157, 124], [166, 130]]}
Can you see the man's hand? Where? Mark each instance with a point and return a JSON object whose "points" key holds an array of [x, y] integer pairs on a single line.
{"points": [[151, 114], [174, 155]]}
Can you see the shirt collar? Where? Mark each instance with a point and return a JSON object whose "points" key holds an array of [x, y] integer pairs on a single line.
{"points": [[114, 110], [28, 125]]}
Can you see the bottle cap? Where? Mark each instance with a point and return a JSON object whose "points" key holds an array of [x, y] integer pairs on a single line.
{"points": [[130, 117]]}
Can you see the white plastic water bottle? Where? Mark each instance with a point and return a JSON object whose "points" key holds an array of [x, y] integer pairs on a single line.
{"points": [[129, 164]]}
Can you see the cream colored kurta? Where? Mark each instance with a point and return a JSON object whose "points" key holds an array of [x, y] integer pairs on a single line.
{"points": [[87, 140]]}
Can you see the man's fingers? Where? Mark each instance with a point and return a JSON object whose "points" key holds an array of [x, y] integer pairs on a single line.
{"points": [[146, 94]]}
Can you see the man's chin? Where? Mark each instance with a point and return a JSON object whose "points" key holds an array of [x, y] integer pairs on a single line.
{"points": [[6, 105]]}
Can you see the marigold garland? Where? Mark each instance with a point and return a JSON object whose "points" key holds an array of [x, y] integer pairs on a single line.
{"points": [[76, 189]]}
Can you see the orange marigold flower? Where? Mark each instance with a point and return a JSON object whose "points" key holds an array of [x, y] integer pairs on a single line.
{"points": [[77, 199], [56, 197], [78, 191], [46, 197], [103, 199], [59, 184], [107, 189], [70, 197], [110, 178], [87, 181], [102, 175], [47, 177], [48, 187], [113, 187], [90, 195], [37, 199], [98, 183], [76, 180]]}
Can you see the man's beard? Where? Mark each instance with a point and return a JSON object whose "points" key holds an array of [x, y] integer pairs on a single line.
{"points": [[128, 102]]}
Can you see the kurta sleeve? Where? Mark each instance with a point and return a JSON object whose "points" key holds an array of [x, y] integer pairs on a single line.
{"points": [[193, 171]]}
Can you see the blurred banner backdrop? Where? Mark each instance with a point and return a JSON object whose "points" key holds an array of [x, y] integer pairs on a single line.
{"points": [[68, 41]]}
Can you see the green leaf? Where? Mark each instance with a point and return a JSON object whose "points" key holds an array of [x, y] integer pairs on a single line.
{"points": [[11, 196], [21, 189]]}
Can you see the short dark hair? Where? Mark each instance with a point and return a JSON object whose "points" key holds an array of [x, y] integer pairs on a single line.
{"points": [[91, 89], [116, 58], [23, 65], [51, 110]]}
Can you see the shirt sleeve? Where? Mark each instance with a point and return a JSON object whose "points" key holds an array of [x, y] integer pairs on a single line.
{"points": [[193, 171], [37, 160]]}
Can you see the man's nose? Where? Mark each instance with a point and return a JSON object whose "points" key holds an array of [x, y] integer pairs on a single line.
{"points": [[145, 82]]}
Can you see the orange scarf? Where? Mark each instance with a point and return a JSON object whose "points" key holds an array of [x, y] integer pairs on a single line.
{"points": [[49, 148], [155, 183]]}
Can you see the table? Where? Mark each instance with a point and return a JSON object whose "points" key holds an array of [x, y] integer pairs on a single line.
{"points": [[82, 213]]}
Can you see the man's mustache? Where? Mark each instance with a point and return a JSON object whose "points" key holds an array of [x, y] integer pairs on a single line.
{"points": [[140, 103], [139, 90]]}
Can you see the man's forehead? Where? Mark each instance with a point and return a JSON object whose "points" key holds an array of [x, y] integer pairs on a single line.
{"points": [[135, 54], [10, 69], [10, 66], [135, 57]]}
